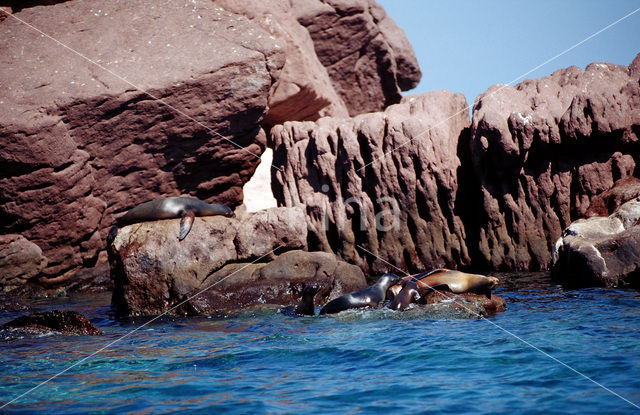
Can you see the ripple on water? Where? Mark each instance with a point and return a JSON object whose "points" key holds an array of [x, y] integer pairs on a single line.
{"points": [[423, 360]]}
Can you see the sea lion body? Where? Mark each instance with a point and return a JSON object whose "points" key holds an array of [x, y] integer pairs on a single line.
{"points": [[407, 295], [456, 282], [174, 207], [368, 297], [306, 306]]}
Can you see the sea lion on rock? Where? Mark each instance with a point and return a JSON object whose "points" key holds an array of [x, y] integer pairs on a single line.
{"points": [[368, 297], [185, 208], [407, 295], [456, 282]]}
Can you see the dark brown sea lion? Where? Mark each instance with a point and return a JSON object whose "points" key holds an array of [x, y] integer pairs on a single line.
{"points": [[185, 208], [368, 297], [306, 306], [407, 295]]}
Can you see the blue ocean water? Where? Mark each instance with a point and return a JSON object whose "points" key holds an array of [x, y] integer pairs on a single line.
{"points": [[419, 361]]}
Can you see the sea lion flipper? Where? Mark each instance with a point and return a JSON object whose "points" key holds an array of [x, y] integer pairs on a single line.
{"points": [[186, 222]]}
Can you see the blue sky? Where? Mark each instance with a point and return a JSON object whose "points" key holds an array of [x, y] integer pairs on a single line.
{"points": [[466, 46]]}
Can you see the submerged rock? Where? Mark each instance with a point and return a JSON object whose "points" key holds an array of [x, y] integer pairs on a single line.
{"points": [[601, 251], [63, 322], [474, 304]]}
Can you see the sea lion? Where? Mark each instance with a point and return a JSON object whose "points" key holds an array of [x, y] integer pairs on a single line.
{"points": [[449, 280], [368, 297], [455, 281], [408, 294], [306, 306], [185, 208]]}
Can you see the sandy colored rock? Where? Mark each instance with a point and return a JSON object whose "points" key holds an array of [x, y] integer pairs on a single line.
{"points": [[359, 196], [541, 151], [81, 144]]}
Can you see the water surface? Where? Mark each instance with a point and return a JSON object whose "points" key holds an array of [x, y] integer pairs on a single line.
{"points": [[421, 361]]}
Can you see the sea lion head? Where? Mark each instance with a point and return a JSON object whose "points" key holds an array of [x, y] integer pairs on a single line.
{"points": [[492, 282], [389, 279], [311, 289]]}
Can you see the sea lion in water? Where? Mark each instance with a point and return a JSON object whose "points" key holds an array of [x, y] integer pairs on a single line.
{"points": [[185, 208], [368, 297], [306, 306], [407, 295]]}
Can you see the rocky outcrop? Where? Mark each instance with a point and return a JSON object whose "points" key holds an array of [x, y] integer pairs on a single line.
{"points": [[303, 90], [280, 281], [367, 56], [62, 322], [343, 57], [20, 260], [541, 151], [601, 251], [362, 200], [609, 201], [199, 278], [82, 142], [148, 260]]}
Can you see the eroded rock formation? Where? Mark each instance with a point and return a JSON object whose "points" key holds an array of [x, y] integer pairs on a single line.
{"points": [[363, 200], [541, 151], [367, 56], [81, 142]]}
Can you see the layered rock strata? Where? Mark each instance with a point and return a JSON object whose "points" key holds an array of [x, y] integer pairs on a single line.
{"points": [[380, 185], [167, 100]]}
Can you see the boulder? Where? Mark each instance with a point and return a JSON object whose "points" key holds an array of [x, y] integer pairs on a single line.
{"points": [[81, 140], [541, 151], [601, 251], [237, 285], [280, 281], [363, 201], [303, 90], [63, 322], [149, 264], [342, 57], [367, 56], [20, 260]]}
